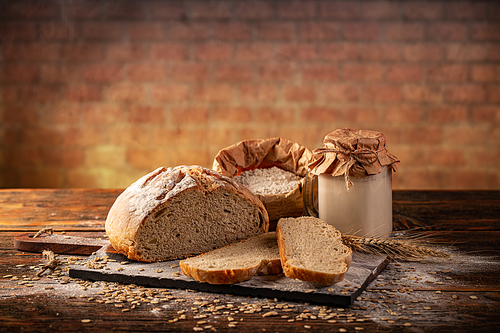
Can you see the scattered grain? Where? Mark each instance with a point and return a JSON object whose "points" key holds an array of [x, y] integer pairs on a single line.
{"points": [[270, 313]]}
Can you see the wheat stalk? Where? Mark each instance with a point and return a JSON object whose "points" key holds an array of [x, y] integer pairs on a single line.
{"points": [[396, 248], [52, 262]]}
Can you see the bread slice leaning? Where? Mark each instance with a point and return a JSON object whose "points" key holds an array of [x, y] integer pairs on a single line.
{"points": [[312, 250], [236, 262]]}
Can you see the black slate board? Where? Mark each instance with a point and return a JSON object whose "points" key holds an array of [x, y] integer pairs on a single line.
{"points": [[167, 274]]}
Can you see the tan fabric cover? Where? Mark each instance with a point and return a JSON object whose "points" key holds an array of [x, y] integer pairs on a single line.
{"points": [[356, 153], [266, 153]]}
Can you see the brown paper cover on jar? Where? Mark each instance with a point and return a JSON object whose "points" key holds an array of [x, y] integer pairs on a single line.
{"points": [[352, 153], [266, 153]]}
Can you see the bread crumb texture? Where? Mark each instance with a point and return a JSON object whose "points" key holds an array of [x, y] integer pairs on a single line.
{"points": [[177, 212], [236, 262], [311, 250]]}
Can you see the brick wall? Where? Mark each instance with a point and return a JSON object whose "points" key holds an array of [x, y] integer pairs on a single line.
{"points": [[98, 93]]}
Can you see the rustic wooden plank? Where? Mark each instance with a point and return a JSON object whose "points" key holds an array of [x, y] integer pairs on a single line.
{"points": [[445, 195], [35, 313], [60, 244], [469, 303], [10, 257], [84, 209], [64, 209], [457, 297], [446, 210]]}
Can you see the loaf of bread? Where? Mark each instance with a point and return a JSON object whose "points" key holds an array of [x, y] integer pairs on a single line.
{"points": [[178, 212], [312, 250], [236, 262]]}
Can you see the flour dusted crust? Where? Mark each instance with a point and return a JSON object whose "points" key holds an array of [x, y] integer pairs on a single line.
{"points": [[132, 223]]}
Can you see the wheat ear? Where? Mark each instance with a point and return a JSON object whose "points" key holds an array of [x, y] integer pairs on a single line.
{"points": [[395, 248]]}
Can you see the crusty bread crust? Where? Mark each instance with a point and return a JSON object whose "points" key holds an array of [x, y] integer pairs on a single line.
{"points": [[263, 266], [152, 193], [227, 276], [309, 275]]}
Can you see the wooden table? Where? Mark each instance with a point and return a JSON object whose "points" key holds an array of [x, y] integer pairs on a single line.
{"points": [[461, 294]]}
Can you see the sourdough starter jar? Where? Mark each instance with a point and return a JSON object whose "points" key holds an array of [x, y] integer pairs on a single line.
{"points": [[353, 176]]}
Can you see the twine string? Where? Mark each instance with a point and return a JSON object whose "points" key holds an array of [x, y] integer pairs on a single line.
{"points": [[352, 156]]}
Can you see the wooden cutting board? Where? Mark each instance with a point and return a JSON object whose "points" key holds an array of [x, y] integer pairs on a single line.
{"points": [[364, 269]]}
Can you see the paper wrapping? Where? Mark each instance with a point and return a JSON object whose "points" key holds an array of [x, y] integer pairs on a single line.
{"points": [[267, 153], [352, 153]]}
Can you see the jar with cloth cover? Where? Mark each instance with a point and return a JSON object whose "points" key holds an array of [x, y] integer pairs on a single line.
{"points": [[353, 176]]}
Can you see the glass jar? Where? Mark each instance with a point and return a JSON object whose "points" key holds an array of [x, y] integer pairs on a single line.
{"points": [[350, 183]]}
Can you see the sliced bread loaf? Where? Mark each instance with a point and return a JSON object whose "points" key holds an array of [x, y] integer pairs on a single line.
{"points": [[236, 262], [312, 250], [178, 212]]}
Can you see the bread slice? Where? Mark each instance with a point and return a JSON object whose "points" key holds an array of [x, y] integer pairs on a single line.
{"points": [[312, 250], [183, 211], [236, 262]]}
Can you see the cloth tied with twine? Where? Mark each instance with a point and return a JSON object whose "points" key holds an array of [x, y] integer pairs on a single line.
{"points": [[352, 153]]}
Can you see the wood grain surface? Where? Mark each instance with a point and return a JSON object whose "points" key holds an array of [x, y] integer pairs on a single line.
{"points": [[60, 244], [457, 295], [63, 209]]}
